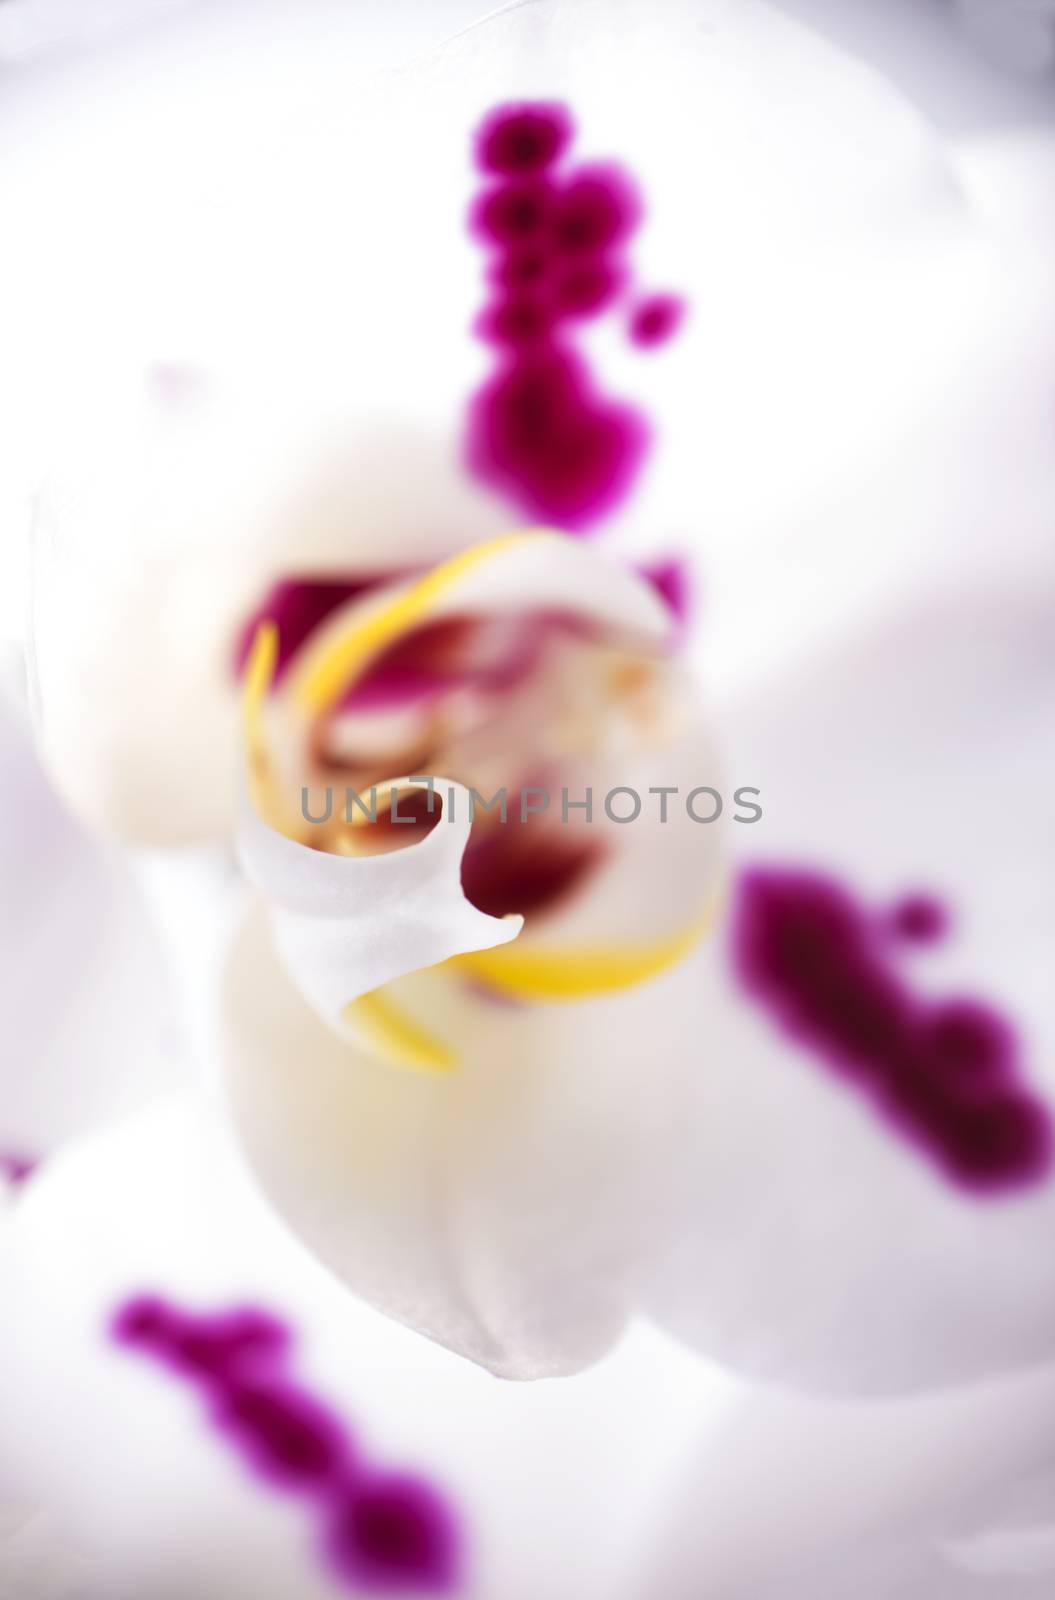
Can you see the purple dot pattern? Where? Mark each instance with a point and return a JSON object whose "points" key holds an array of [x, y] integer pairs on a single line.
{"points": [[380, 1531], [943, 1073], [540, 430]]}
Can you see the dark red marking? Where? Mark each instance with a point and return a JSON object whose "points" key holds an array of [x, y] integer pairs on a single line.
{"points": [[920, 918], [657, 319], [457, 652], [521, 269], [283, 1433], [587, 288], [596, 210], [297, 606], [523, 867], [541, 430], [393, 1532], [945, 1073], [519, 139], [515, 216], [518, 319]]}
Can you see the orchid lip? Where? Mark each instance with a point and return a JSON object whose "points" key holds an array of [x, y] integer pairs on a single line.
{"points": [[505, 872]]}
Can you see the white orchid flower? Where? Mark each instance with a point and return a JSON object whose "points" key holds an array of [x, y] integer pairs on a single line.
{"points": [[708, 1134]]}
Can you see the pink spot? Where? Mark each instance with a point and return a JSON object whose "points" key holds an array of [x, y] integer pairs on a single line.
{"points": [[16, 1168], [670, 579], [519, 139], [515, 215], [517, 320], [655, 320], [282, 1433], [390, 1531], [918, 918], [297, 606], [944, 1073], [541, 430], [521, 269], [597, 209], [587, 288], [395, 1532]]}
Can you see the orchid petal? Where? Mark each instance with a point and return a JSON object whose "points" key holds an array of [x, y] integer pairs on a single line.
{"points": [[938, 1497], [88, 1016], [830, 1236], [155, 542], [124, 1457], [504, 1209]]}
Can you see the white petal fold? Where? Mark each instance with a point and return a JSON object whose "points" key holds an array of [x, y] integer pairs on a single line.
{"points": [[345, 925]]}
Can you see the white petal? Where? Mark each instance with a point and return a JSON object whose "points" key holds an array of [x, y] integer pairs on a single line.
{"points": [[156, 542], [89, 1031], [122, 1453], [1017, 33], [1010, 1535], [790, 1497], [821, 1244], [504, 1208]]}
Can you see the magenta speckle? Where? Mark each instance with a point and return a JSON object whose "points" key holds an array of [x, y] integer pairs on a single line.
{"points": [[209, 1349], [655, 320], [919, 918], [945, 1073], [395, 1532], [672, 583], [390, 1531], [16, 1168], [588, 288], [282, 1432], [520, 319], [520, 139], [217, 1347], [596, 210], [541, 430], [521, 269], [516, 215]]}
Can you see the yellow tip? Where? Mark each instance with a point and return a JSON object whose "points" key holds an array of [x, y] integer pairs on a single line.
{"points": [[545, 973], [259, 675], [330, 672], [389, 1033]]}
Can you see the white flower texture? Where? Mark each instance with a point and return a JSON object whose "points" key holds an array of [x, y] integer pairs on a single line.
{"points": [[1018, 33], [34, 1563], [743, 1131]]}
